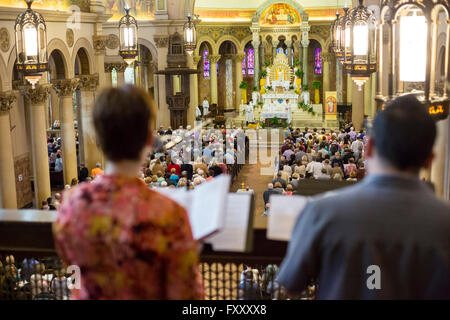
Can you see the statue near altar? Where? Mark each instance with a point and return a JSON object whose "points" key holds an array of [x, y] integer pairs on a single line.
{"points": [[278, 98]]}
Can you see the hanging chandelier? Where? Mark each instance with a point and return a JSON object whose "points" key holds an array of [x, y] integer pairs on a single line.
{"points": [[418, 60], [31, 44], [190, 36], [128, 37], [360, 43]]}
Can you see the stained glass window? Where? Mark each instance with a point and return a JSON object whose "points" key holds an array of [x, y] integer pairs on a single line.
{"points": [[250, 61], [248, 64], [318, 61], [206, 64]]}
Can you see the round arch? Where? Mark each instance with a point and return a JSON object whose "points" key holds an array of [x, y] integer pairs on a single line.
{"points": [[320, 40], [150, 46], [209, 41], [244, 42], [83, 43], [230, 38], [58, 44]]}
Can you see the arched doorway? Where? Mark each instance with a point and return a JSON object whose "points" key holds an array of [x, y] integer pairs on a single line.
{"points": [[225, 79], [204, 66]]}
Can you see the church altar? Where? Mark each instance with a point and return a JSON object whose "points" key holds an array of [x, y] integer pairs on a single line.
{"points": [[280, 100]]}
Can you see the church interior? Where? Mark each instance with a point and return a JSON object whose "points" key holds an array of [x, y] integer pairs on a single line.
{"points": [[233, 65]]}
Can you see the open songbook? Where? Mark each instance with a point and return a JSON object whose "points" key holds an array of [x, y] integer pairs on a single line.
{"points": [[222, 219], [283, 213]]}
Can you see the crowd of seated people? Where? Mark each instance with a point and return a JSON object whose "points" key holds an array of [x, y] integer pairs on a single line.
{"points": [[188, 163], [183, 165], [320, 155], [44, 279]]}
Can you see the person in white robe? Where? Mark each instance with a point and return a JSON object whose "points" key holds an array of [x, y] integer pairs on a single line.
{"points": [[249, 116], [198, 112], [255, 97], [205, 107]]}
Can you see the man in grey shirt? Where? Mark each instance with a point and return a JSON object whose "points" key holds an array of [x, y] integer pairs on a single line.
{"points": [[387, 237]]}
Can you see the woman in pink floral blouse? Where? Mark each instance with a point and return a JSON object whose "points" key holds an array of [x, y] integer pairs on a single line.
{"points": [[129, 241]]}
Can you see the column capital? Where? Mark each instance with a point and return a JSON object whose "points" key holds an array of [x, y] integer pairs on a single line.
{"points": [[6, 101], [88, 82], [305, 43], [289, 43], [239, 57], [196, 60], [256, 44], [99, 43], [214, 58], [65, 87], [161, 41], [38, 95], [327, 56], [119, 66], [275, 43]]}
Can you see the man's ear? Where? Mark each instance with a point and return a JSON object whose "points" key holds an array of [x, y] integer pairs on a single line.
{"points": [[369, 149], [429, 161]]}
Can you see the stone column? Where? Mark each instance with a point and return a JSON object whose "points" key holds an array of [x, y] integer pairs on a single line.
{"points": [[257, 66], [99, 41], [65, 89], [41, 171], [305, 61], [108, 74], [193, 89], [274, 49], [8, 195], [214, 59], [120, 69], [326, 58], [289, 51], [300, 52], [349, 88], [261, 56], [305, 43], [357, 106], [339, 83], [238, 58], [367, 96], [440, 169], [163, 115], [92, 155]]}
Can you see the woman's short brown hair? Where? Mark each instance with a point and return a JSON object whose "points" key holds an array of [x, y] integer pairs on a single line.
{"points": [[123, 120]]}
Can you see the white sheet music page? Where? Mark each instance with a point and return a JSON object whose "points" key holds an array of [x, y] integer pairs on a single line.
{"points": [[205, 204], [208, 206], [233, 237], [283, 213]]}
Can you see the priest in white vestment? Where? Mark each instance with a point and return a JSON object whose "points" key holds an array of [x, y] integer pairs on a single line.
{"points": [[249, 116], [205, 107], [198, 112]]}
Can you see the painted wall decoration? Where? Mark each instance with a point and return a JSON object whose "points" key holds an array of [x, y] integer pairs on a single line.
{"points": [[280, 14], [140, 9], [47, 4]]}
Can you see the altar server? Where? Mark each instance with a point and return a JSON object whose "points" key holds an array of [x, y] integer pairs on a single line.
{"points": [[249, 116], [205, 107]]}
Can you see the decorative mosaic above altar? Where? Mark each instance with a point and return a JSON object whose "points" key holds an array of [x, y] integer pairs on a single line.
{"points": [[280, 14]]}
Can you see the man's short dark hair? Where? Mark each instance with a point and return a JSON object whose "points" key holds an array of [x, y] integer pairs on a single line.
{"points": [[122, 121], [404, 133]]}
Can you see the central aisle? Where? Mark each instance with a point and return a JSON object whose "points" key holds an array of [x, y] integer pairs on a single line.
{"points": [[251, 176]]}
